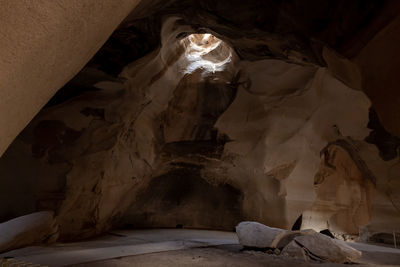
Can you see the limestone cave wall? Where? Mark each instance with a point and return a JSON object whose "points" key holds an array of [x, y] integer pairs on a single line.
{"points": [[193, 116]]}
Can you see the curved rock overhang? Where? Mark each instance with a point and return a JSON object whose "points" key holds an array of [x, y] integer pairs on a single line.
{"points": [[43, 45]]}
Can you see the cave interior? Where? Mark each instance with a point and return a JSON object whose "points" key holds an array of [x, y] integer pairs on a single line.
{"points": [[200, 115]]}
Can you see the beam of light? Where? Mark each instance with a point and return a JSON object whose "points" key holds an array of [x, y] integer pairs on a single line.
{"points": [[198, 48], [206, 65]]}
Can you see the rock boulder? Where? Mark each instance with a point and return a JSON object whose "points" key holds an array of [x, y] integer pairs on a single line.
{"points": [[327, 249], [39, 227], [256, 235], [304, 244]]}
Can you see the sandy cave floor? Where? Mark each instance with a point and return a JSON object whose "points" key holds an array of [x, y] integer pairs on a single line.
{"points": [[176, 247], [224, 255]]}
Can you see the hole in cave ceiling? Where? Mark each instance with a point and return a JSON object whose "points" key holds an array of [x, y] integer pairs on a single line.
{"points": [[206, 52]]}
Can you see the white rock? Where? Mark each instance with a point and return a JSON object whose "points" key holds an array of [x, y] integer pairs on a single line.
{"points": [[294, 250], [254, 234], [286, 237], [327, 249], [29, 229]]}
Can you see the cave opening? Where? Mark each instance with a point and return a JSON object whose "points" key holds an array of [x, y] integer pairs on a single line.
{"points": [[183, 198], [205, 51]]}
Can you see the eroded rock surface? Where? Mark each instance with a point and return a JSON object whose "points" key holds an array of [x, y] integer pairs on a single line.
{"points": [[37, 39], [247, 117], [256, 235], [324, 248], [39, 227], [293, 249], [306, 245]]}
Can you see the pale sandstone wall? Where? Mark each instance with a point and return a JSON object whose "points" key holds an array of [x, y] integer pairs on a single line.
{"points": [[43, 45]]}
